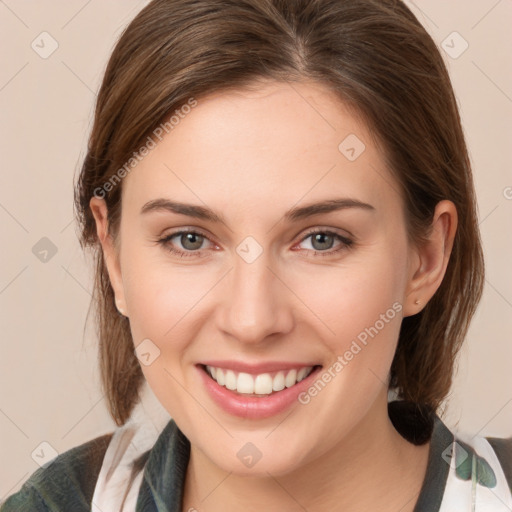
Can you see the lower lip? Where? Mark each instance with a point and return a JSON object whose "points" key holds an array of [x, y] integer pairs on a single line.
{"points": [[246, 406]]}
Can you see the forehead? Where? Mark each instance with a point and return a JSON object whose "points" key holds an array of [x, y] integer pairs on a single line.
{"points": [[269, 146]]}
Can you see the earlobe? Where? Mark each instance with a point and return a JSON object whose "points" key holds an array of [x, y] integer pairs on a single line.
{"points": [[428, 266], [100, 213]]}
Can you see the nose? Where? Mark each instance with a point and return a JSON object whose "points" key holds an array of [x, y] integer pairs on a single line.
{"points": [[256, 302]]}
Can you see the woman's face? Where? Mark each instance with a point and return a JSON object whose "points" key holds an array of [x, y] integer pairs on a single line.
{"points": [[253, 290]]}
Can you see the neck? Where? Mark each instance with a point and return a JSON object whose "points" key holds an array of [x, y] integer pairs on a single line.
{"points": [[373, 461]]}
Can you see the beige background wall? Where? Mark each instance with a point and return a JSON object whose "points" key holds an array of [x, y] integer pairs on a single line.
{"points": [[48, 377]]}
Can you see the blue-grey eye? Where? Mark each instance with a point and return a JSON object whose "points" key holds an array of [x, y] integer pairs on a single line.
{"points": [[322, 241], [191, 241]]}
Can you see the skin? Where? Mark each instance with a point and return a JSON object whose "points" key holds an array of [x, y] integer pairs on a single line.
{"points": [[251, 155]]}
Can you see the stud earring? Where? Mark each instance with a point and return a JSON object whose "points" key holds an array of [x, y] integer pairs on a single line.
{"points": [[416, 302]]}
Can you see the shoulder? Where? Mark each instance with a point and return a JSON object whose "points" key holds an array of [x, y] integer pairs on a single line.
{"points": [[480, 474], [65, 483], [489, 458], [503, 450], [464, 471]]}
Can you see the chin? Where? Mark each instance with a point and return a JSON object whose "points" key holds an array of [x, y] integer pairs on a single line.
{"points": [[249, 461]]}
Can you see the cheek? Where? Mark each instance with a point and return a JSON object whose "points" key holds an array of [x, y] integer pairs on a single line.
{"points": [[164, 307], [360, 307], [364, 313], [160, 294], [348, 298]]}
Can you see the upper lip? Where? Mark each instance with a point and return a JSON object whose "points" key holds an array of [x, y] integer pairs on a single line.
{"points": [[257, 368]]}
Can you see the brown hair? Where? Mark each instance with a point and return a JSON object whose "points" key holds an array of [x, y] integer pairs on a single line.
{"points": [[378, 59]]}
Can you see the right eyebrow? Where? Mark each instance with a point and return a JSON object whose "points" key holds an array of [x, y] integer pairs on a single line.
{"points": [[190, 210]]}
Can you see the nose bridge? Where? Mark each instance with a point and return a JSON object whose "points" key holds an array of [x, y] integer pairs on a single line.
{"points": [[254, 306]]}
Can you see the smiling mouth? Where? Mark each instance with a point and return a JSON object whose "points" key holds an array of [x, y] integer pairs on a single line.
{"points": [[260, 385]]}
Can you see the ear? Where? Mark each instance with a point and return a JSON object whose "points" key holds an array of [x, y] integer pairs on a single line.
{"points": [[110, 251], [428, 262]]}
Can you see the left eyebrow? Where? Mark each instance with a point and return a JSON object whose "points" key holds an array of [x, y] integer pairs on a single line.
{"points": [[328, 206], [294, 214]]}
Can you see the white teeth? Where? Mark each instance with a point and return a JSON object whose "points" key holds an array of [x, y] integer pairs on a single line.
{"points": [[301, 374], [245, 383], [220, 377], [262, 384], [291, 378], [278, 382], [231, 380]]}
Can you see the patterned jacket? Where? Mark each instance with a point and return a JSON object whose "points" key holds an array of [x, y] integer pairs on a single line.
{"points": [[133, 471]]}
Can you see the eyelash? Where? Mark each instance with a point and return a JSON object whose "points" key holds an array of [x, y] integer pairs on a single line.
{"points": [[346, 243]]}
